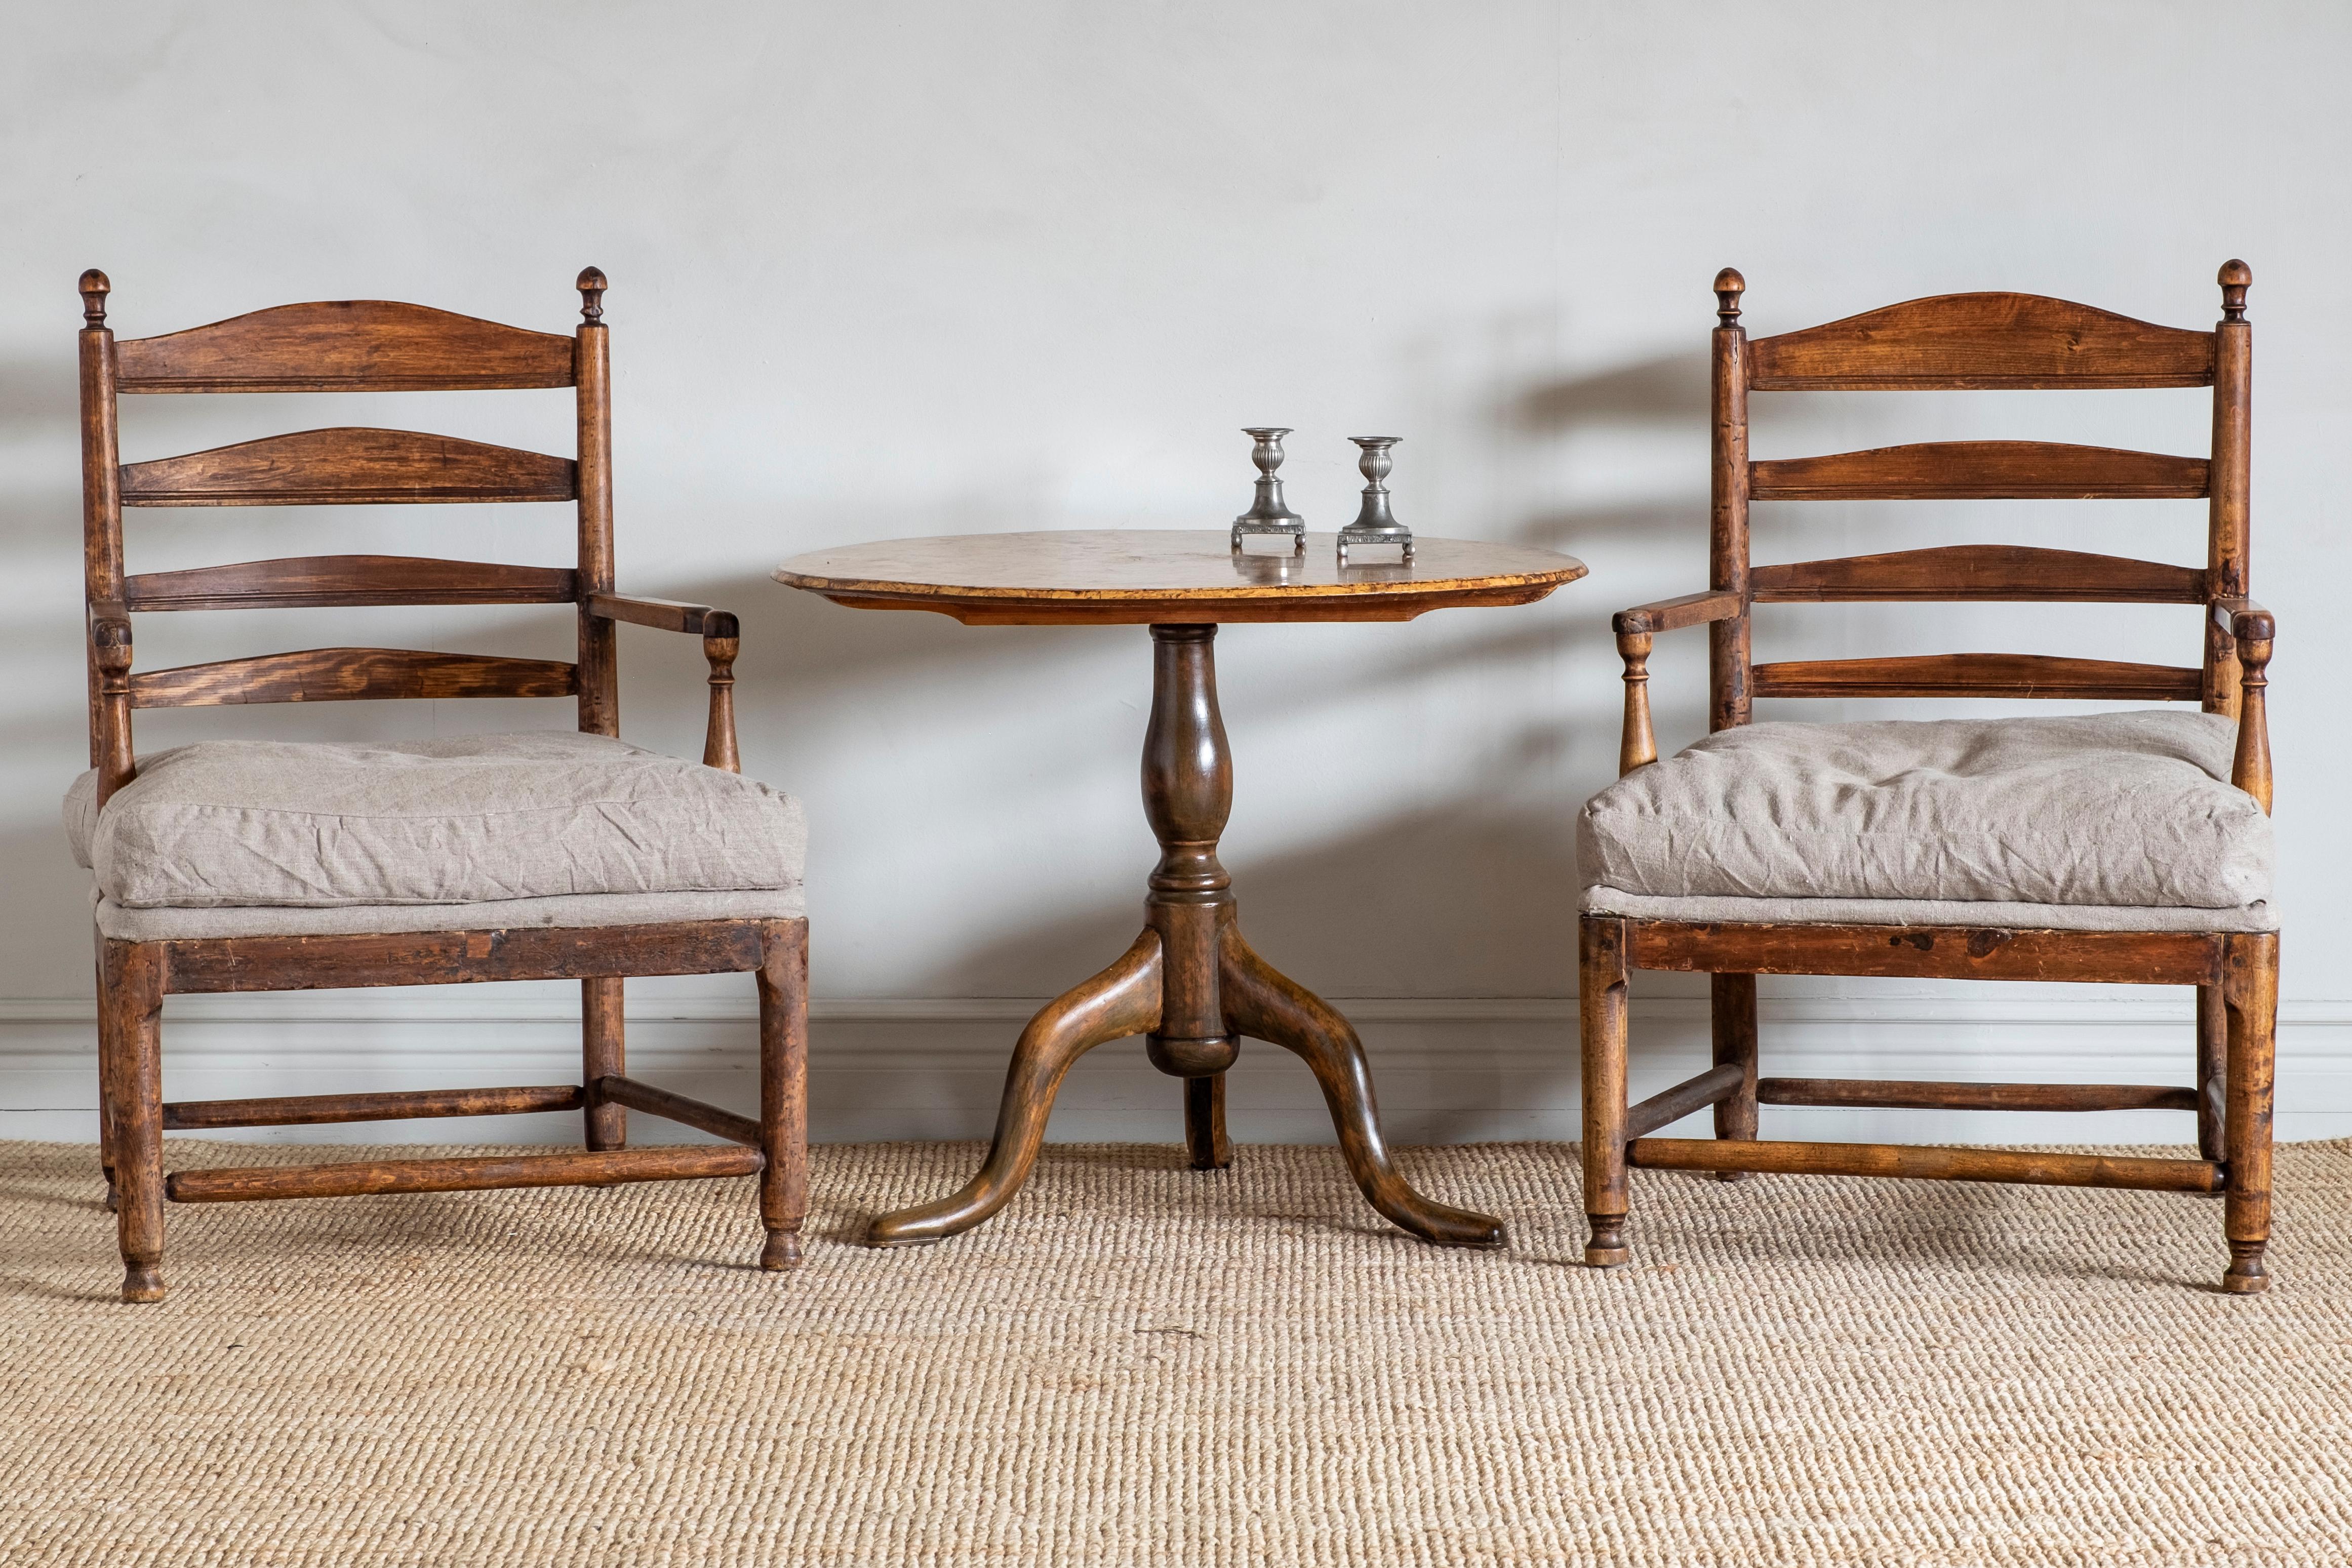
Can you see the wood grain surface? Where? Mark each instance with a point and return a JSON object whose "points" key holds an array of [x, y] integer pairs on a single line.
{"points": [[1128, 577]]}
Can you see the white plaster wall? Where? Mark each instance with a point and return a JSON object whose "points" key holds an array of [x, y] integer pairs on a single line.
{"points": [[907, 269]]}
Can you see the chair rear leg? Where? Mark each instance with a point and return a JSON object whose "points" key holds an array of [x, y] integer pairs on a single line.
{"points": [[1734, 1013], [1600, 991], [2250, 994], [2212, 1054], [105, 1089], [602, 1050], [783, 1092], [132, 1069]]}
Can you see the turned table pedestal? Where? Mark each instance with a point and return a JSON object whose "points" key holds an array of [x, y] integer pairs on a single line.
{"points": [[1189, 984]]}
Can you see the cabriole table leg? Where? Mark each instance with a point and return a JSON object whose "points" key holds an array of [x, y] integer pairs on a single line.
{"points": [[1192, 986]]}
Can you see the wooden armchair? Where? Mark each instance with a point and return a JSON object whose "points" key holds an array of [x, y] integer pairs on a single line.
{"points": [[233, 867], [2128, 848]]}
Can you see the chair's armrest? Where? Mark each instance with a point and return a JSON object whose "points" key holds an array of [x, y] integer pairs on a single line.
{"points": [[664, 614], [721, 637], [1638, 747], [2244, 620], [2253, 628], [1673, 614]]}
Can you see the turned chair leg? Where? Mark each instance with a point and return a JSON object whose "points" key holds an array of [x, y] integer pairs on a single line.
{"points": [[131, 1046], [603, 1052], [2250, 996], [1602, 990], [783, 1094], [1733, 1011]]}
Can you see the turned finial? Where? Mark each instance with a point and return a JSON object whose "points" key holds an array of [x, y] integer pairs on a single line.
{"points": [[592, 296], [1728, 287], [94, 290], [2236, 278]]}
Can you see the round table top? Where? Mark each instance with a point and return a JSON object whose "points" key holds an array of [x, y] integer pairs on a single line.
{"points": [[1130, 576]]}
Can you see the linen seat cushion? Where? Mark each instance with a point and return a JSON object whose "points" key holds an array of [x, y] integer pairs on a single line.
{"points": [[469, 821], [2125, 820]]}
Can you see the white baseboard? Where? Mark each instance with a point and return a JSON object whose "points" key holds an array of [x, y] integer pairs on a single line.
{"points": [[1448, 1071]]}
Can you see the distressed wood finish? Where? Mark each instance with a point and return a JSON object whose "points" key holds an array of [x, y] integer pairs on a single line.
{"points": [[1923, 1095], [2250, 999], [1926, 1161], [313, 581], [662, 614], [345, 345], [1929, 952], [348, 675], [370, 346], [1957, 572], [603, 1060], [247, 1184], [669, 1107], [1978, 676], [1729, 636], [1979, 471], [1081, 577], [399, 1106], [1601, 983], [1957, 341], [450, 957], [600, 680], [783, 982], [1668, 1106], [1981, 341], [348, 468]]}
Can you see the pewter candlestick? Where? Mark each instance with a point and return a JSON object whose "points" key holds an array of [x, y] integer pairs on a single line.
{"points": [[1375, 524], [1268, 514]]}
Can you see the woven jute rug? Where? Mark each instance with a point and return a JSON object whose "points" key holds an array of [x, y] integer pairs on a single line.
{"points": [[1139, 1363]]}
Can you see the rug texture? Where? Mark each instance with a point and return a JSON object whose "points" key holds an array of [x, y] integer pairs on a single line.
{"points": [[1138, 1363]]}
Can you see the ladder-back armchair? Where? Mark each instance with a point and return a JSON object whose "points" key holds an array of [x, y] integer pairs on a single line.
{"points": [[2124, 848], [249, 865]]}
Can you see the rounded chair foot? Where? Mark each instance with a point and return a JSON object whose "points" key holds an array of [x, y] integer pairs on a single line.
{"points": [[142, 1282], [782, 1251], [2247, 1276], [1607, 1249]]}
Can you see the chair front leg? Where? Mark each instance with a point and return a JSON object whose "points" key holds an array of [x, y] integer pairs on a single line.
{"points": [[2250, 992], [783, 1091], [131, 1043], [1601, 1001]]}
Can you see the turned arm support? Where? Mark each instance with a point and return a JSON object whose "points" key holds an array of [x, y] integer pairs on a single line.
{"points": [[110, 638], [1636, 628], [2251, 627], [721, 640]]}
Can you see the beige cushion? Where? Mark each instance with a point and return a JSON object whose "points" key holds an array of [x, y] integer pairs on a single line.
{"points": [[470, 820], [2112, 817]]}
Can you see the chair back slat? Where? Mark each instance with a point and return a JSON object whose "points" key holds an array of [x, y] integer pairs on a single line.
{"points": [[1957, 572], [305, 582], [1968, 341], [1980, 470], [1978, 675], [349, 467], [345, 345], [347, 674]]}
